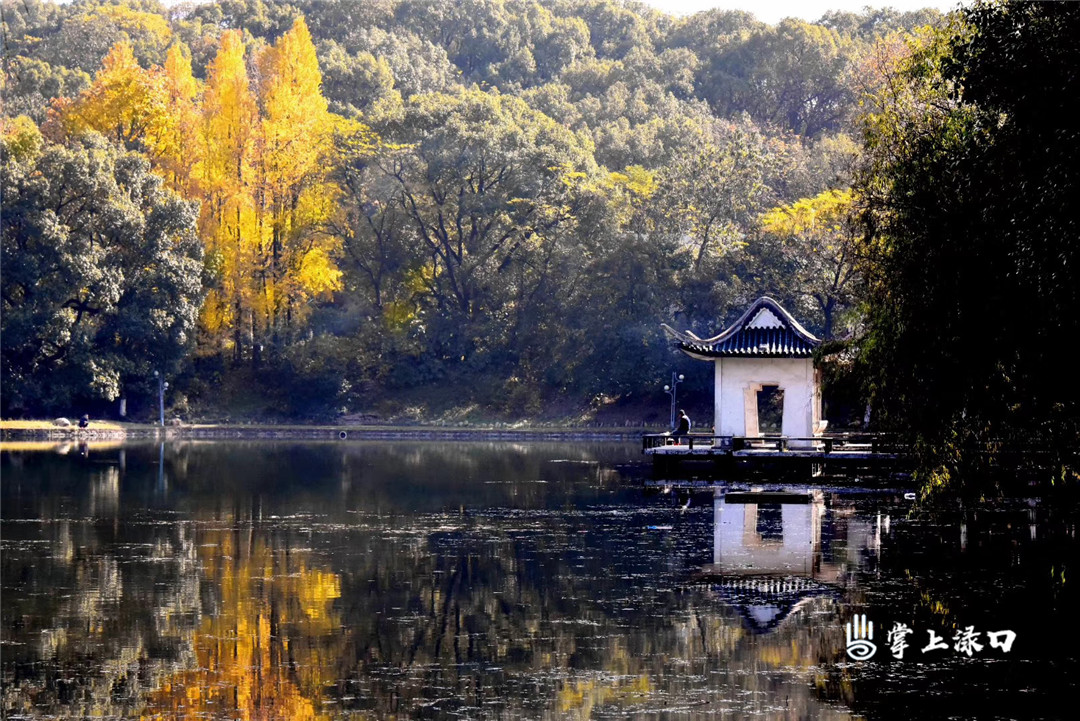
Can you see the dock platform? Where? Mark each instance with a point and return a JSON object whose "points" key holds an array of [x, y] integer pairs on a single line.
{"points": [[727, 452]]}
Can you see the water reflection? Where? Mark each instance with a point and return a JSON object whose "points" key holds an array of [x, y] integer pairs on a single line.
{"points": [[266, 636], [767, 555], [769, 548], [358, 580]]}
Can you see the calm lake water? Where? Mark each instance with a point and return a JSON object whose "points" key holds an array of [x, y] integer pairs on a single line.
{"points": [[481, 580]]}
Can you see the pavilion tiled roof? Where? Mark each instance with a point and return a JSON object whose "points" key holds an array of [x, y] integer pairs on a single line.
{"points": [[765, 330]]}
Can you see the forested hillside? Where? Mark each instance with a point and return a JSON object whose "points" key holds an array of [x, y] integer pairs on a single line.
{"points": [[401, 207]]}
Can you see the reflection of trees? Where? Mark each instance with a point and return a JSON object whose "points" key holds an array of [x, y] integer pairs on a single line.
{"points": [[526, 599], [93, 627], [265, 644], [247, 629], [469, 617]]}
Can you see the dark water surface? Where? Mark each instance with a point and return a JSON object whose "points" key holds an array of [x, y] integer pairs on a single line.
{"points": [[427, 580]]}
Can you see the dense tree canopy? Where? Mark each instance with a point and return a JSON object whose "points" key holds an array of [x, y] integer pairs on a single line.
{"points": [[503, 198], [102, 271], [970, 186]]}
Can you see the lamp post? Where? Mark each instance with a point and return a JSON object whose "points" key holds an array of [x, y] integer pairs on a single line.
{"points": [[676, 379], [162, 384]]}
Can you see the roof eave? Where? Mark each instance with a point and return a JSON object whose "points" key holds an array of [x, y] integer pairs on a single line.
{"points": [[713, 355]]}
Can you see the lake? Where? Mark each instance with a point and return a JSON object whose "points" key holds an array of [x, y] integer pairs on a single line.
{"points": [[500, 581]]}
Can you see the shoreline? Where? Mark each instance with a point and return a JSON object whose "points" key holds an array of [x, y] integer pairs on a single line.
{"points": [[15, 431]]}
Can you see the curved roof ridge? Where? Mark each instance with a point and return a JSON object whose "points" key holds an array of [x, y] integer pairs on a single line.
{"points": [[780, 337], [762, 302], [681, 336]]}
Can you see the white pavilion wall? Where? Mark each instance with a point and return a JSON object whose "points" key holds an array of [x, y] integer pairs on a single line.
{"points": [[737, 379], [737, 546]]}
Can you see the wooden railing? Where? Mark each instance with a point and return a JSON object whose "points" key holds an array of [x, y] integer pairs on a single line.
{"points": [[866, 442], [655, 440]]}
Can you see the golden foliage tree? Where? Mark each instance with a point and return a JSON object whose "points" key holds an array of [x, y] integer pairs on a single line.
{"points": [[271, 606], [180, 148], [125, 103], [818, 244], [297, 196], [228, 223], [258, 158], [268, 191]]}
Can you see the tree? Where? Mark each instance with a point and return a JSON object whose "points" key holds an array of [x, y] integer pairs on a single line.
{"points": [[180, 150], [818, 242], [153, 111], [487, 189], [259, 18], [125, 103], [227, 223], [615, 30], [102, 272], [256, 156], [79, 35], [717, 187], [969, 189], [359, 84], [29, 86], [607, 345], [878, 22], [296, 193], [791, 76], [376, 233], [417, 65]]}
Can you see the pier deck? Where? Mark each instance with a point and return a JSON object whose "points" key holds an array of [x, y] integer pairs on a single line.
{"points": [[742, 451]]}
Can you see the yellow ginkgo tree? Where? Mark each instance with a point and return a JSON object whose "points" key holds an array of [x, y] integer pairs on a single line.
{"points": [[151, 110], [817, 244], [125, 103], [296, 194], [256, 153], [228, 222]]}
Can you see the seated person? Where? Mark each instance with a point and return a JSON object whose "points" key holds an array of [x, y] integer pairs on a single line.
{"points": [[683, 427]]}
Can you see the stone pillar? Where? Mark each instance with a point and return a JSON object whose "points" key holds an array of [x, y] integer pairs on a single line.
{"points": [[718, 393]]}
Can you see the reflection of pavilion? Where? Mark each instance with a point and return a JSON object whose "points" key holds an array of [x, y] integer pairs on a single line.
{"points": [[769, 559]]}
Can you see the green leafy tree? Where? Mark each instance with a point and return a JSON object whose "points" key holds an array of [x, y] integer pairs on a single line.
{"points": [[484, 187], [263, 19], [608, 345], [90, 29], [793, 76], [615, 29], [30, 85], [102, 272], [417, 65], [878, 22], [358, 85], [718, 186], [970, 188]]}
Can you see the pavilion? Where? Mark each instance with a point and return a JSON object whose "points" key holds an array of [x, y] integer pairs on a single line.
{"points": [[763, 364]]}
